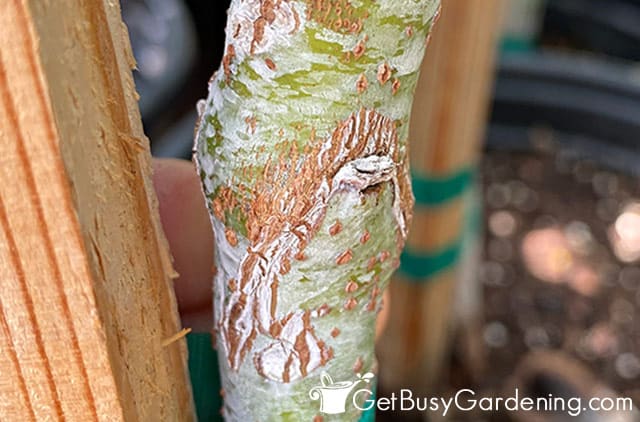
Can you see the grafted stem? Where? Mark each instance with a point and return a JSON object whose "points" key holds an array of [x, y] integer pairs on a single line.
{"points": [[301, 148]]}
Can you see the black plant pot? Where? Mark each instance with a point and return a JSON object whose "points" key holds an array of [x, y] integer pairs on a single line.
{"points": [[606, 26], [592, 105]]}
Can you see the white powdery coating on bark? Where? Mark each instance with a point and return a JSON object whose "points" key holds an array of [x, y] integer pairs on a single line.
{"points": [[228, 260], [271, 360], [242, 31]]}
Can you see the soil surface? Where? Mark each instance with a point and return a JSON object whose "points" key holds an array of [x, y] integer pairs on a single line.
{"points": [[560, 277]]}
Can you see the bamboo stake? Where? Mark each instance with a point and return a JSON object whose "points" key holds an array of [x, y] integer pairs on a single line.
{"points": [[447, 125], [85, 273]]}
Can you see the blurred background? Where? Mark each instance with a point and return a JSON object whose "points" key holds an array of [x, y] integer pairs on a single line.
{"points": [[543, 290]]}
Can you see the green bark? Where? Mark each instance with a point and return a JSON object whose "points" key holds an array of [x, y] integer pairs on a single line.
{"points": [[302, 151]]}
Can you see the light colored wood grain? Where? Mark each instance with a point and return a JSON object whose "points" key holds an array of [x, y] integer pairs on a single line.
{"points": [[85, 274], [447, 126]]}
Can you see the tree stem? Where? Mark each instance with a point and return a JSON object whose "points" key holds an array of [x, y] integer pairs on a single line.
{"points": [[302, 151]]}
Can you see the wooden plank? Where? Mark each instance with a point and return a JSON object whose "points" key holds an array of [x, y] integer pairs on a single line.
{"points": [[85, 273], [448, 121]]}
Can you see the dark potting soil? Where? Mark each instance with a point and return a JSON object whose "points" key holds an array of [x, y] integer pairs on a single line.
{"points": [[560, 274]]}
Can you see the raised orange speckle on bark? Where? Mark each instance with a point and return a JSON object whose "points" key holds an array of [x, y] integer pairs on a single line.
{"points": [[409, 31], [351, 287], [395, 87], [344, 257], [251, 122], [233, 284], [231, 237], [365, 237], [324, 310], [371, 264], [358, 365], [384, 73], [318, 418], [356, 26], [384, 255], [359, 49], [351, 303], [270, 64], [362, 83], [335, 228], [335, 332]]}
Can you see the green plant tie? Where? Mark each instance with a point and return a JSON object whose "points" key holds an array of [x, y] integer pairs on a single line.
{"points": [[205, 378], [432, 191], [421, 266]]}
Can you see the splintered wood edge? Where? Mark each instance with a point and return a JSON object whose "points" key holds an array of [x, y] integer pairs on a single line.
{"points": [[85, 274]]}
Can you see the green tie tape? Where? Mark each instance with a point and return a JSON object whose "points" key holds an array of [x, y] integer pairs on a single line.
{"points": [[422, 266], [432, 191], [205, 378]]}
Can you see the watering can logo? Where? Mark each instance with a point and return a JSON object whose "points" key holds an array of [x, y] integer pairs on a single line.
{"points": [[333, 395]]}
